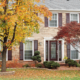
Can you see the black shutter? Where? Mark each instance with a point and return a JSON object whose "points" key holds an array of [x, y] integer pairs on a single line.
{"points": [[21, 51], [79, 17], [46, 22], [60, 19], [67, 18], [68, 50], [35, 45], [10, 54]]}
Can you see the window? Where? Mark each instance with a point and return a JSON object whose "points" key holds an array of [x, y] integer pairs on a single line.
{"points": [[54, 21], [28, 50], [74, 17], [74, 53]]}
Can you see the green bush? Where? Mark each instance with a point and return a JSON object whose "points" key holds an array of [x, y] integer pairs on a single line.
{"points": [[36, 53], [51, 64], [71, 62], [36, 57], [39, 59], [45, 64], [55, 65], [78, 65], [39, 65], [26, 65]]}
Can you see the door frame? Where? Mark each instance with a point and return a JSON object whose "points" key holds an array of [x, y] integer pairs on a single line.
{"points": [[51, 39]]}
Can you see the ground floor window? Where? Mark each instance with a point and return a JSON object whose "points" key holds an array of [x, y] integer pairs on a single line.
{"points": [[28, 52], [73, 53]]}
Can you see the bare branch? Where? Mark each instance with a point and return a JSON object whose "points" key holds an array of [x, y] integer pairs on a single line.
{"points": [[1, 40], [14, 33]]}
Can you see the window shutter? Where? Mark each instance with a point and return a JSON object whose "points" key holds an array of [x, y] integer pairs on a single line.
{"points": [[79, 17], [67, 18], [46, 22], [60, 19], [35, 45], [21, 51], [10, 54], [68, 50]]}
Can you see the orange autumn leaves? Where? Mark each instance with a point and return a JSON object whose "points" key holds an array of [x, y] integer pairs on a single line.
{"points": [[23, 13]]}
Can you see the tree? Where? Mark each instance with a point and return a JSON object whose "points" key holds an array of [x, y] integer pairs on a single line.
{"points": [[70, 33], [18, 20], [36, 57]]}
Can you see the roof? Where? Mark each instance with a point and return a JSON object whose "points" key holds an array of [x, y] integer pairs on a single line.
{"points": [[62, 4]]}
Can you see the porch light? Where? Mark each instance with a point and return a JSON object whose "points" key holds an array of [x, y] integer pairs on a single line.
{"points": [[40, 43]]}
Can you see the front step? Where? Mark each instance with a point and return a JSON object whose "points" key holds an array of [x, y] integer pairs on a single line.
{"points": [[62, 64]]}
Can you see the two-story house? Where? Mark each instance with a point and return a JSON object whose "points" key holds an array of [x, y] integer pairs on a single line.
{"points": [[63, 12]]}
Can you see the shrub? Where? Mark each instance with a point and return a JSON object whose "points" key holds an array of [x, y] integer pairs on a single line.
{"points": [[51, 64], [78, 65], [55, 65], [39, 65], [36, 53], [45, 64], [26, 65], [36, 57], [71, 62]]}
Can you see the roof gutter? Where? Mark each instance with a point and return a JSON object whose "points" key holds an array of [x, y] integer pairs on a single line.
{"points": [[65, 9]]}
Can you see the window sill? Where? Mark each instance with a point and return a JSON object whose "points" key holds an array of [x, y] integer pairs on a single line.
{"points": [[28, 60], [75, 59]]}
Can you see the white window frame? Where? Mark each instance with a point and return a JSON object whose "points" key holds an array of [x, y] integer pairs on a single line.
{"points": [[24, 50], [70, 54], [74, 13], [49, 21]]}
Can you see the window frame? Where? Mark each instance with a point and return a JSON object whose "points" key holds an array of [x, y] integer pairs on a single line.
{"points": [[49, 20], [74, 13], [70, 54], [24, 50]]}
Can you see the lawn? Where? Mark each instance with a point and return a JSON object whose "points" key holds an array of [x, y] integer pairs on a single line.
{"points": [[41, 74]]}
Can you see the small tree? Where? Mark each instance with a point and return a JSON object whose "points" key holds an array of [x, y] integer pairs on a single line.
{"points": [[36, 57], [70, 33]]}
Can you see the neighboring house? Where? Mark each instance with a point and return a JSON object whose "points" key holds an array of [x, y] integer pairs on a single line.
{"points": [[63, 12]]}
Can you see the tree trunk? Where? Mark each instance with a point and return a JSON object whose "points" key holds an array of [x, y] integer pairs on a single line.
{"points": [[3, 68]]}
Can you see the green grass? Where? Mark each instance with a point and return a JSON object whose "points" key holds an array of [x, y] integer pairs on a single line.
{"points": [[41, 74]]}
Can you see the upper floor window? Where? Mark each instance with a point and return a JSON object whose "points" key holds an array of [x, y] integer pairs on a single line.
{"points": [[74, 17], [54, 21]]}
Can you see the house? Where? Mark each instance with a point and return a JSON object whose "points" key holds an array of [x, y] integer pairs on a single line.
{"points": [[64, 11]]}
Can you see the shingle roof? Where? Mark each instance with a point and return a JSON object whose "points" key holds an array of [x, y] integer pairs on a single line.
{"points": [[62, 4]]}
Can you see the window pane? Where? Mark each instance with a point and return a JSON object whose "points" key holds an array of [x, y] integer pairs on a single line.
{"points": [[74, 17], [28, 45], [28, 49], [74, 52], [53, 22], [28, 54]]}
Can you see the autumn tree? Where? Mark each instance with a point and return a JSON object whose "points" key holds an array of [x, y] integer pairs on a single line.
{"points": [[70, 33], [18, 20]]}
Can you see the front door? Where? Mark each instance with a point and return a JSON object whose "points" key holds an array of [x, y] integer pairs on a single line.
{"points": [[53, 50]]}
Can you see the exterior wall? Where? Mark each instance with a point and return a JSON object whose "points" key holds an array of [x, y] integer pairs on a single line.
{"points": [[44, 32]]}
